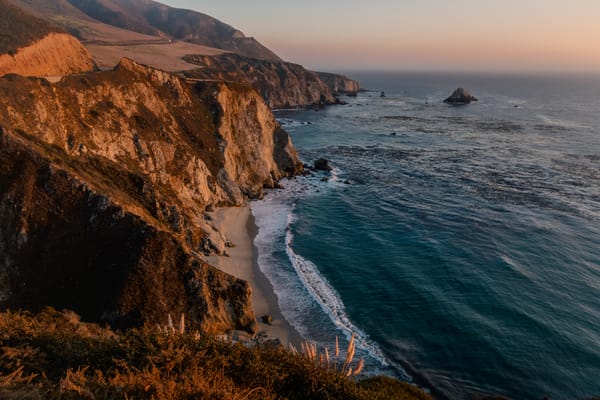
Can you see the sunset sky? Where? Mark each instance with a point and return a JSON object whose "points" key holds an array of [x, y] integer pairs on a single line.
{"points": [[555, 35]]}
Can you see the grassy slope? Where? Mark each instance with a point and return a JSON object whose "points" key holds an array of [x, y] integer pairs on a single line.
{"points": [[53, 355], [19, 29]]}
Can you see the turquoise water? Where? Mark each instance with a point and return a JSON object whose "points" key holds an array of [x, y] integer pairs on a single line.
{"points": [[465, 253]]}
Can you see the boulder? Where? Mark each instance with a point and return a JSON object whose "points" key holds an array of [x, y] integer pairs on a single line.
{"points": [[322, 164], [460, 96]]}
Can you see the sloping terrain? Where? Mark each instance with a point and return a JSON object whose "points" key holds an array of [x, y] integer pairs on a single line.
{"points": [[34, 46], [19, 29], [177, 40], [152, 18], [55, 356], [125, 22], [104, 180]]}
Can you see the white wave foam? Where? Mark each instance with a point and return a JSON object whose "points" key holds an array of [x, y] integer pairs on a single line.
{"points": [[328, 298], [300, 288], [563, 123]]}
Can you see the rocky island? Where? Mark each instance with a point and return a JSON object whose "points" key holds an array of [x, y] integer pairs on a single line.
{"points": [[461, 97]]}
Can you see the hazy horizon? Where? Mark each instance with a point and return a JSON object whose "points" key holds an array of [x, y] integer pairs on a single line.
{"points": [[493, 35]]}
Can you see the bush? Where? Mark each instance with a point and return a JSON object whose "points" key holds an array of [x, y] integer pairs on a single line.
{"points": [[53, 355]]}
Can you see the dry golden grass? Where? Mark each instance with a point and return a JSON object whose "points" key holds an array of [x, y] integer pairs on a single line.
{"points": [[54, 356]]}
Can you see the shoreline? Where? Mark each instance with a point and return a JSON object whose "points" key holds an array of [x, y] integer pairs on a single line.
{"points": [[237, 225]]}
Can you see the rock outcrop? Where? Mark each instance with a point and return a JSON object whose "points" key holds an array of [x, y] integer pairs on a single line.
{"points": [[104, 178], [55, 54], [322, 164], [33, 46], [339, 84], [461, 96], [281, 84]]}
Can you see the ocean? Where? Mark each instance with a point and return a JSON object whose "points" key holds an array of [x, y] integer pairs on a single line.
{"points": [[460, 245]]}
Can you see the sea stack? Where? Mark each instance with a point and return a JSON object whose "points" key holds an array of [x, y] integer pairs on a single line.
{"points": [[460, 97]]}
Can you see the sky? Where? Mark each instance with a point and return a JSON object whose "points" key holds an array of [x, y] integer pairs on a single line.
{"points": [[486, 35]]}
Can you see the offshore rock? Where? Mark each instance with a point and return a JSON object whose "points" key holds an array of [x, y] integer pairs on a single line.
{"points": [[322, 164], [461, 96]]}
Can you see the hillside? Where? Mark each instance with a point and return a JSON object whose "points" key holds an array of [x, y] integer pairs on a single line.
{"points": [[128, 22], [56, 356], [20, 29], [180, 40], [32, 46], [152, 18], [104, 180]]}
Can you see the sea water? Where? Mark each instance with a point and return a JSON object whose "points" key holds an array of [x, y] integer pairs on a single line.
{"points": [[460, 245]]}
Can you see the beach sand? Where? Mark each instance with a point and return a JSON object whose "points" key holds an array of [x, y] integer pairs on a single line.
{"points": [[237, 225]]}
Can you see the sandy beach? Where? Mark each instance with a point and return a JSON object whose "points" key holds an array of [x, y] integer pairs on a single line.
{"points": [[237, 225]]}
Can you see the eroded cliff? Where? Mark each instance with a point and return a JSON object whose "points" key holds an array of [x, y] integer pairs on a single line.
{"points": [[104, 180], [339, 84], [281, 84], [55, 54]]}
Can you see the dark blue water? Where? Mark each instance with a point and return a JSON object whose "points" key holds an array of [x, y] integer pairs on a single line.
{"points": [[465, 253]]}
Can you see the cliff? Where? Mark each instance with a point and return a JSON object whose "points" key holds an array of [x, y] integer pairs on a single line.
{"points": [[104, 180], [281, 84], [339, 84], [54, 55]]}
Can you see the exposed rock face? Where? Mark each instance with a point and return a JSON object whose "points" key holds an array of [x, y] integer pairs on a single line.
{"points": [[64, 244], [322, 164], [281, 85], [103, 181], [54, 55], [339, 84], [461, 96]]}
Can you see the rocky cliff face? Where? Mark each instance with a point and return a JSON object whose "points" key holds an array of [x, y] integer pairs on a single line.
{"points": [[104, 180], [339, 84], [281, 84], [54, 55]]}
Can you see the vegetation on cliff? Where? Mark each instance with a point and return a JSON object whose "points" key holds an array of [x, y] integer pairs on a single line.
{"points": [[19, 29], [55, 356]]}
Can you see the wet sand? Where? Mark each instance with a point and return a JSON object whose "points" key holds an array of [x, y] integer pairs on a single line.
{"points": [[237, 225]]}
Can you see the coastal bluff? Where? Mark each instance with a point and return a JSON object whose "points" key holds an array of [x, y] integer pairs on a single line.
{"points": [[104, 180], [281, 84]]}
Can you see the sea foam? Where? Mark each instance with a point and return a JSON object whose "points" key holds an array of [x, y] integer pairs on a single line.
{"points": [[301, 289]]}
